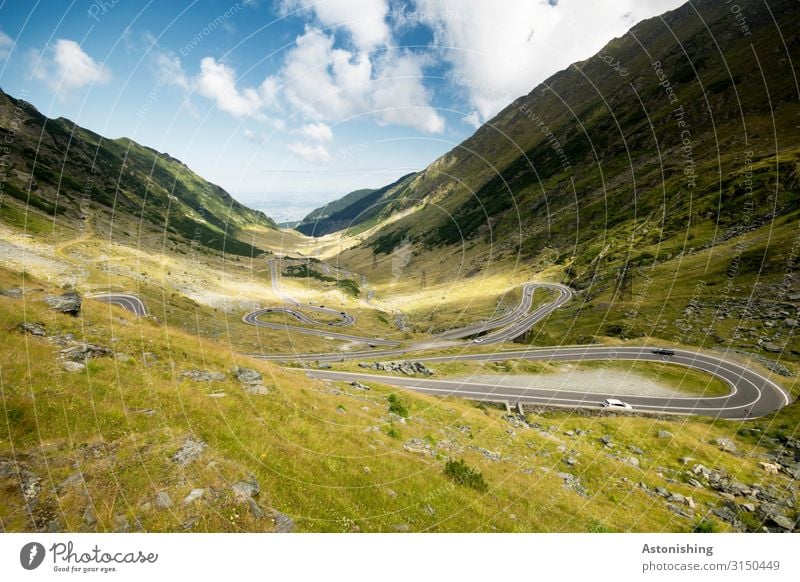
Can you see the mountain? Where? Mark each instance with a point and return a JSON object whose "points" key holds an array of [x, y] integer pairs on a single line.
{"points": [[75, 177], [678, 136], [358, 209]]}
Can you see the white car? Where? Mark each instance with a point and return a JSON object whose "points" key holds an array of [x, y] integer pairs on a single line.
{"points": [[614, 403], [477, 340]]}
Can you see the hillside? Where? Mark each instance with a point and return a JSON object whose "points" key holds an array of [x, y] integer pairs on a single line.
{"points": [[359, 209], [119, 189], [666, 161]]}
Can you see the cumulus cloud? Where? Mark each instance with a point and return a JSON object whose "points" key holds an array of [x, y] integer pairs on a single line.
{"points": [[317, 132], [502, 49], [400, 97], [364, 20], [217, 81], [65, 67], [327, 83], [254, 136], [170, 71], [313, 153]]}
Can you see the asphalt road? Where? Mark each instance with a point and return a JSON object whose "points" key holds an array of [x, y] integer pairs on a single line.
{"points": [[129, 302], [751, 395]]}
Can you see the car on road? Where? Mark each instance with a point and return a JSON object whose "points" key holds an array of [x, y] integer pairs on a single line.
{"points": [[614, 403], [477, 340], [371, 345], [664, 352]]}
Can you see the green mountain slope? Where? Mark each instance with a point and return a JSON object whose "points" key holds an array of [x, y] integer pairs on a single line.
{"points": [[664, 142], [360, 209], [76, 177]]}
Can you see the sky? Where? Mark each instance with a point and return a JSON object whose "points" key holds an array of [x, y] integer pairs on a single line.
{"points": [[288, 104]]}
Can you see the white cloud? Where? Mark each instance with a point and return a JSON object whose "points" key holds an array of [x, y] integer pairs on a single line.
{"points": [[5, 45], [400, 97], [364, 20], [170, 71], [218, 83], [66, 67], [317, 132], [313, 153], [332, 84], [502, 49]]}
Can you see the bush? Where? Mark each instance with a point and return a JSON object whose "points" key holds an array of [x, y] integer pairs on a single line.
{"points": [[397, 406], [465, 475], [705, 526]]}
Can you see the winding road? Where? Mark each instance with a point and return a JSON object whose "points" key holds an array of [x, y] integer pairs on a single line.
{"points": [[127, 301], [751, 394]]}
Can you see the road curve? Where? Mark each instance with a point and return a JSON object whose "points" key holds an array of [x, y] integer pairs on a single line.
{"points": [[751, 395], [127, 301]]}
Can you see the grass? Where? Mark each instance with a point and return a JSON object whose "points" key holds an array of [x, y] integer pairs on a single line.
{"points": [[307, 443]]}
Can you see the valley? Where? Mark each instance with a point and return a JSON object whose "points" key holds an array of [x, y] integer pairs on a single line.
{"points": [[443, 353]]}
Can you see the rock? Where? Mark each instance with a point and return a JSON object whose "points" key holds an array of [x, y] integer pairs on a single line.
{"points": [[36, 329], [404, 367], [664, 434], [690, 502], [772, 347], [189, 452], [636, 450], [13, 292], [283, 523], [685, 460], [570, 461], [492, 456], [163, 500], [749, 507], [769, 468], [244, 490], [358, 385], [85, 351], [121, 524], [605, 439], [402, 527], [789, 322], [573, 483], [771, 513], [203, 376], [695, 483], [632, 461], [89, 517], [676, 498], [31, 485], [193, 496], [391, 493], [679, 510], [69, 303], [725, 444], [248, 376], [73, 366], [418, 446], [699, 469], [257, 512]]}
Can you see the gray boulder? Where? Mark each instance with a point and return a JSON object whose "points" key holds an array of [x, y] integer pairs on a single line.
{"points": [[190, 451], [37, 329], [69, 303]]}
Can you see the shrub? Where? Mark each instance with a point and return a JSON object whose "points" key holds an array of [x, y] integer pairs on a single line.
{"points": [[397, 406], [705, 526], [463, 474]]}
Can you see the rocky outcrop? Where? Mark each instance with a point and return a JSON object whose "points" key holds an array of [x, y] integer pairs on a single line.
{"points": [[69, 303], [404, 367]]}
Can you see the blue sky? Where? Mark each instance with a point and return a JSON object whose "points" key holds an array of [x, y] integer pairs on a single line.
{"points": [[288, 104]]}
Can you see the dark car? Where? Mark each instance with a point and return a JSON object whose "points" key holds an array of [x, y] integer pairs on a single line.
{"points": [[664, 352]]}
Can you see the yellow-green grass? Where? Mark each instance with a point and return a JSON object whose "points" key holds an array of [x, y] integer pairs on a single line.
{"points": [[309, 444]]}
